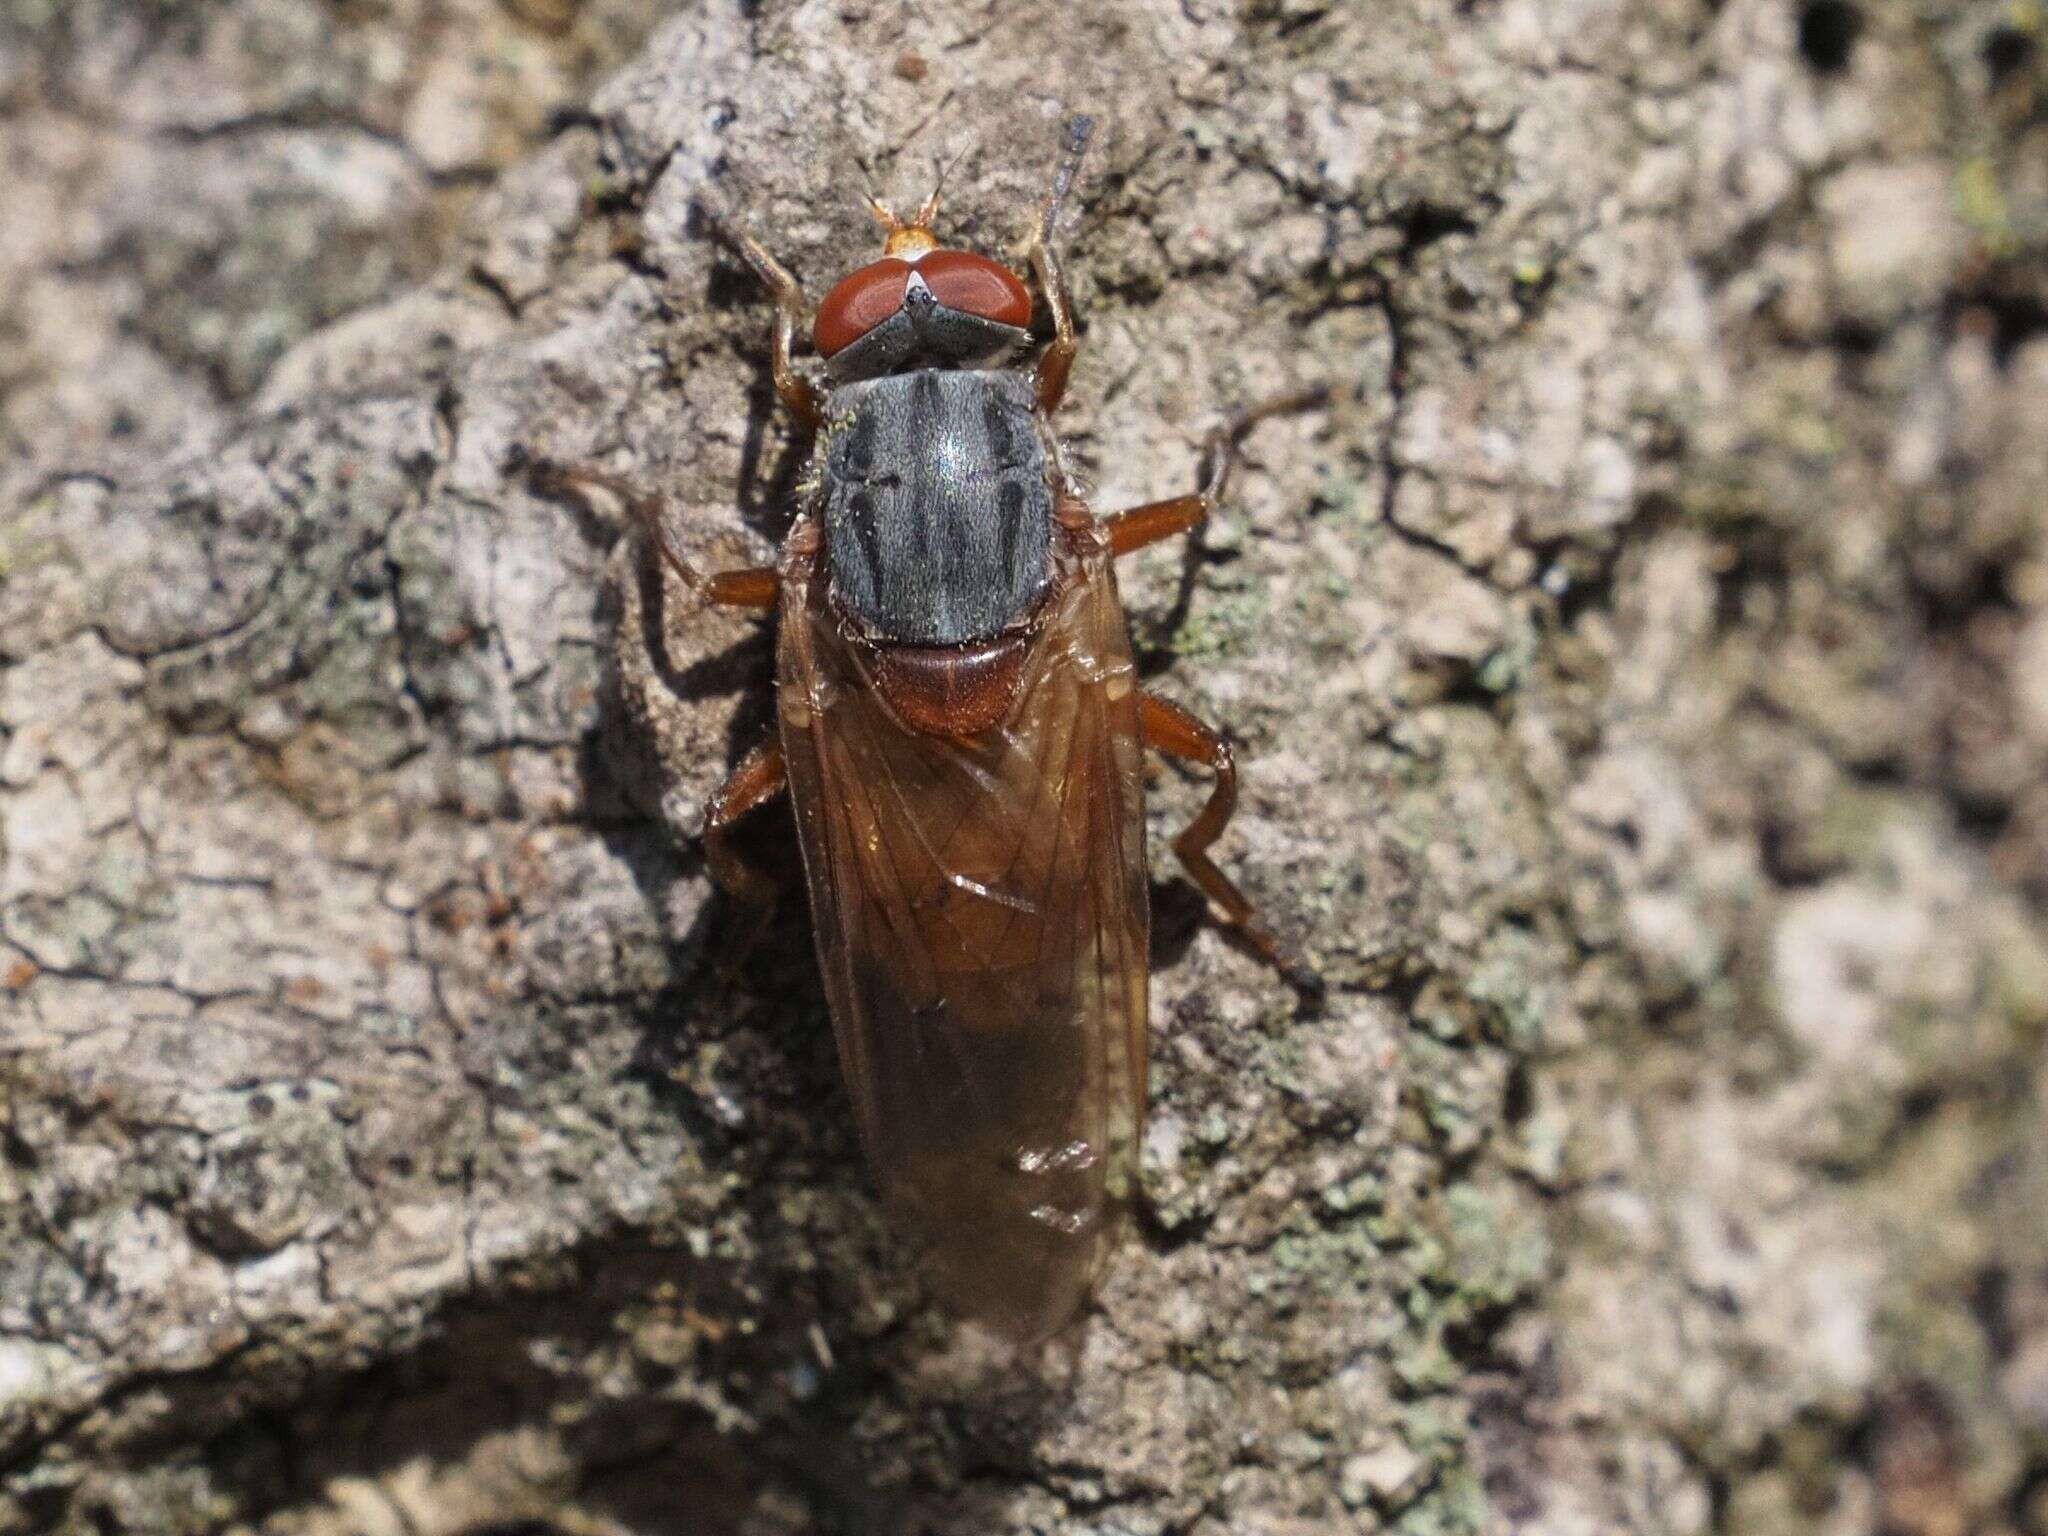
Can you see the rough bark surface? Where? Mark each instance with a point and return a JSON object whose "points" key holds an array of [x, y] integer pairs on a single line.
{"points": [[1639, 671]]}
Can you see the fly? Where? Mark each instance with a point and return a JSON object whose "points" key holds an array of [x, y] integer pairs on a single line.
{"points": [[960, 733]]}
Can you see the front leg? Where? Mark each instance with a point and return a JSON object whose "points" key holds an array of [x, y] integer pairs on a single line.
{"points": [[796, 391], [1168, 728], [1057, 360]]}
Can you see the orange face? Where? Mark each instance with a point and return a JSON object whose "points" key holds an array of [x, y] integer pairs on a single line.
{"points": [[960, 281]]}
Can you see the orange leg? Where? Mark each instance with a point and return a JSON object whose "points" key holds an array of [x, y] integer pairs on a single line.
{"points": [[1057, 360], [759, 778], [1170, 729], [755, 586], [1156, 520], [797, 392]]}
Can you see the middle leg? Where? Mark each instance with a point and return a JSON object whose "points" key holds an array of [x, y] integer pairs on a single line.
{"points": [[1155, 520], [754, 586]]}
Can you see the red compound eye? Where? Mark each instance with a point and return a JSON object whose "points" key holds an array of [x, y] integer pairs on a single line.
{"points": [[858, 303], [959, 280], [974, 285]]}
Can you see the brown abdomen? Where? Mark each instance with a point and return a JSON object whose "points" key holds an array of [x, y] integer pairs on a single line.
{"points": [[951, 690]]}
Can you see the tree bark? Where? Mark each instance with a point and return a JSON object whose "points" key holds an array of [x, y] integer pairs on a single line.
{"points": [[1637, 670]]}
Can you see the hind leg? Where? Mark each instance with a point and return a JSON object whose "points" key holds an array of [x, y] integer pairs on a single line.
{"points": [[759, 778], [1170, 729]]}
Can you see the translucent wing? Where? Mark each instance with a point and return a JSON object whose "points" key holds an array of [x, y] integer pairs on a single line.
{"points": [[980, 907]]}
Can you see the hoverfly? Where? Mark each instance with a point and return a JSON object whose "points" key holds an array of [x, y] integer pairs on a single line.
{"points": [[959, 729]]}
